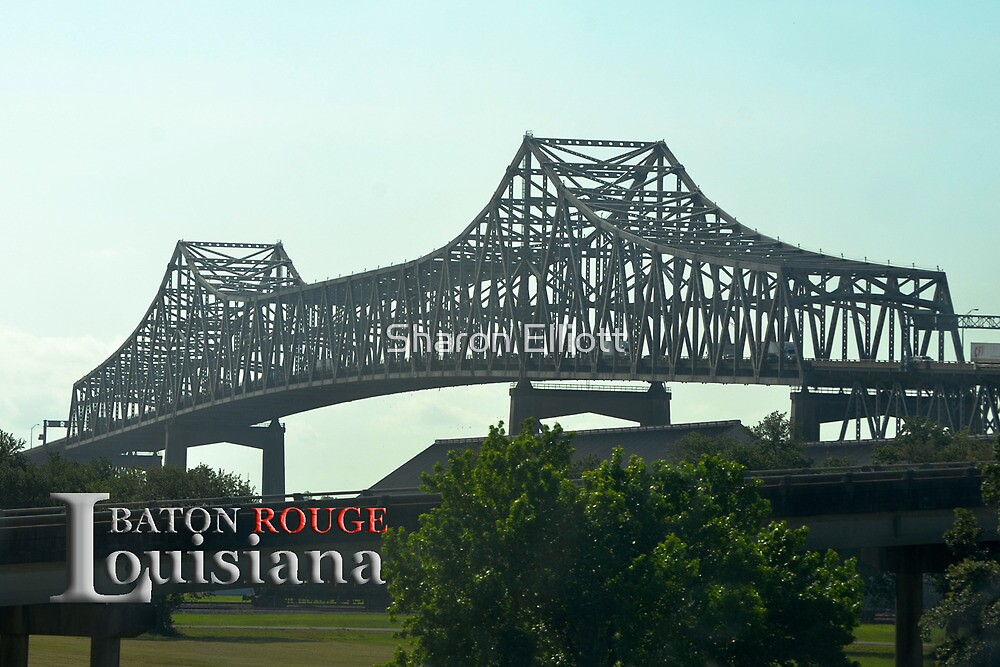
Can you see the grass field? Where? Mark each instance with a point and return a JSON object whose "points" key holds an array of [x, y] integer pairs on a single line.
{"points": [[303, 619], [199, 648], [282, 644], [881, 656]]}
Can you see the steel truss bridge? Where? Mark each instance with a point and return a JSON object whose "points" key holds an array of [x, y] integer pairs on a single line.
{"points": [[592, 260]]}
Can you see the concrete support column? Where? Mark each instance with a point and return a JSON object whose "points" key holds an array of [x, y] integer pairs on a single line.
{"points": [[909, 563], [105, 652], [175, 448], [909, 606], [658, 406], [105, 624], [805, 417], [273, 461], [13, 650], [520, 406]]}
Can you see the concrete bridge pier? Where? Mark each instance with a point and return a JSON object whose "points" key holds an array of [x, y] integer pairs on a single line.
{"points": [[648, 408], [176, 441], [909, 563], [13, 650], [105, 624], [909, 607], [809, 410], [269, 439]]}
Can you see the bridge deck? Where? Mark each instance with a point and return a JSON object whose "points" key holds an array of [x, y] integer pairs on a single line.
{"points": [[280, 399]]}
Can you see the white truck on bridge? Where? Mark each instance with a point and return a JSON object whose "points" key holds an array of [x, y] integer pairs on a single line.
{"points": [[986, 353]]}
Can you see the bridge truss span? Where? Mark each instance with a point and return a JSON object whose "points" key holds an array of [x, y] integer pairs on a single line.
{"points": [[593, 259]]}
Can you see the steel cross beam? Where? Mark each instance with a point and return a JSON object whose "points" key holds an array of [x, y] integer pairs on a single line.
{"points": [[946, 321], [979, 321]]}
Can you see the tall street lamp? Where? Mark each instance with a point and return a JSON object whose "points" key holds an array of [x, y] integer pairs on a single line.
{"points": [[31, 435]]}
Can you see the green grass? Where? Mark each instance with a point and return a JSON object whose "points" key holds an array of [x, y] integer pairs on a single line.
{"points": [[289, 619], [884, 655], [887, 659], [880, 632], [204, 646], [212, 648], [221, 598]]}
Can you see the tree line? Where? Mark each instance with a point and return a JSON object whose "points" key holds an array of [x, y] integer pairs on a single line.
{"points": [[524, 563], [534, 559], [26, 484]]}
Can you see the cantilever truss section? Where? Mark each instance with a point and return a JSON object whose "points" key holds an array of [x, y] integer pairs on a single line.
{"points": [[236, 270], [581, 238], [192, 318]]}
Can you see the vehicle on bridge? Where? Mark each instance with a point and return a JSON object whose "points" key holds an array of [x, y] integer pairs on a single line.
{"points": [[986, 353]]}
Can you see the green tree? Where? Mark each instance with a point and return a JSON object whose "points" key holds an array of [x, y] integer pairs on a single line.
{"points": [[23, 484], [10, 447], [970, 609], [771, 446], [774, 429], [922, 440], [482, 573], [135, 485], [641, 564]]}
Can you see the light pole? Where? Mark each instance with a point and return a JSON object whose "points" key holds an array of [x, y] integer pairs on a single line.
{"points": [[973, 310], [31, 435]]}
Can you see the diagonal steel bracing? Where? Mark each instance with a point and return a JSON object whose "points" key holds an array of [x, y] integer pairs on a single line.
{"points": [[582, 238]]}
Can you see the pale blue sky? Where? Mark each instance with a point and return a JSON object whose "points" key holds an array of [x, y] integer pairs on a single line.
{"points": [[365, 134]]}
